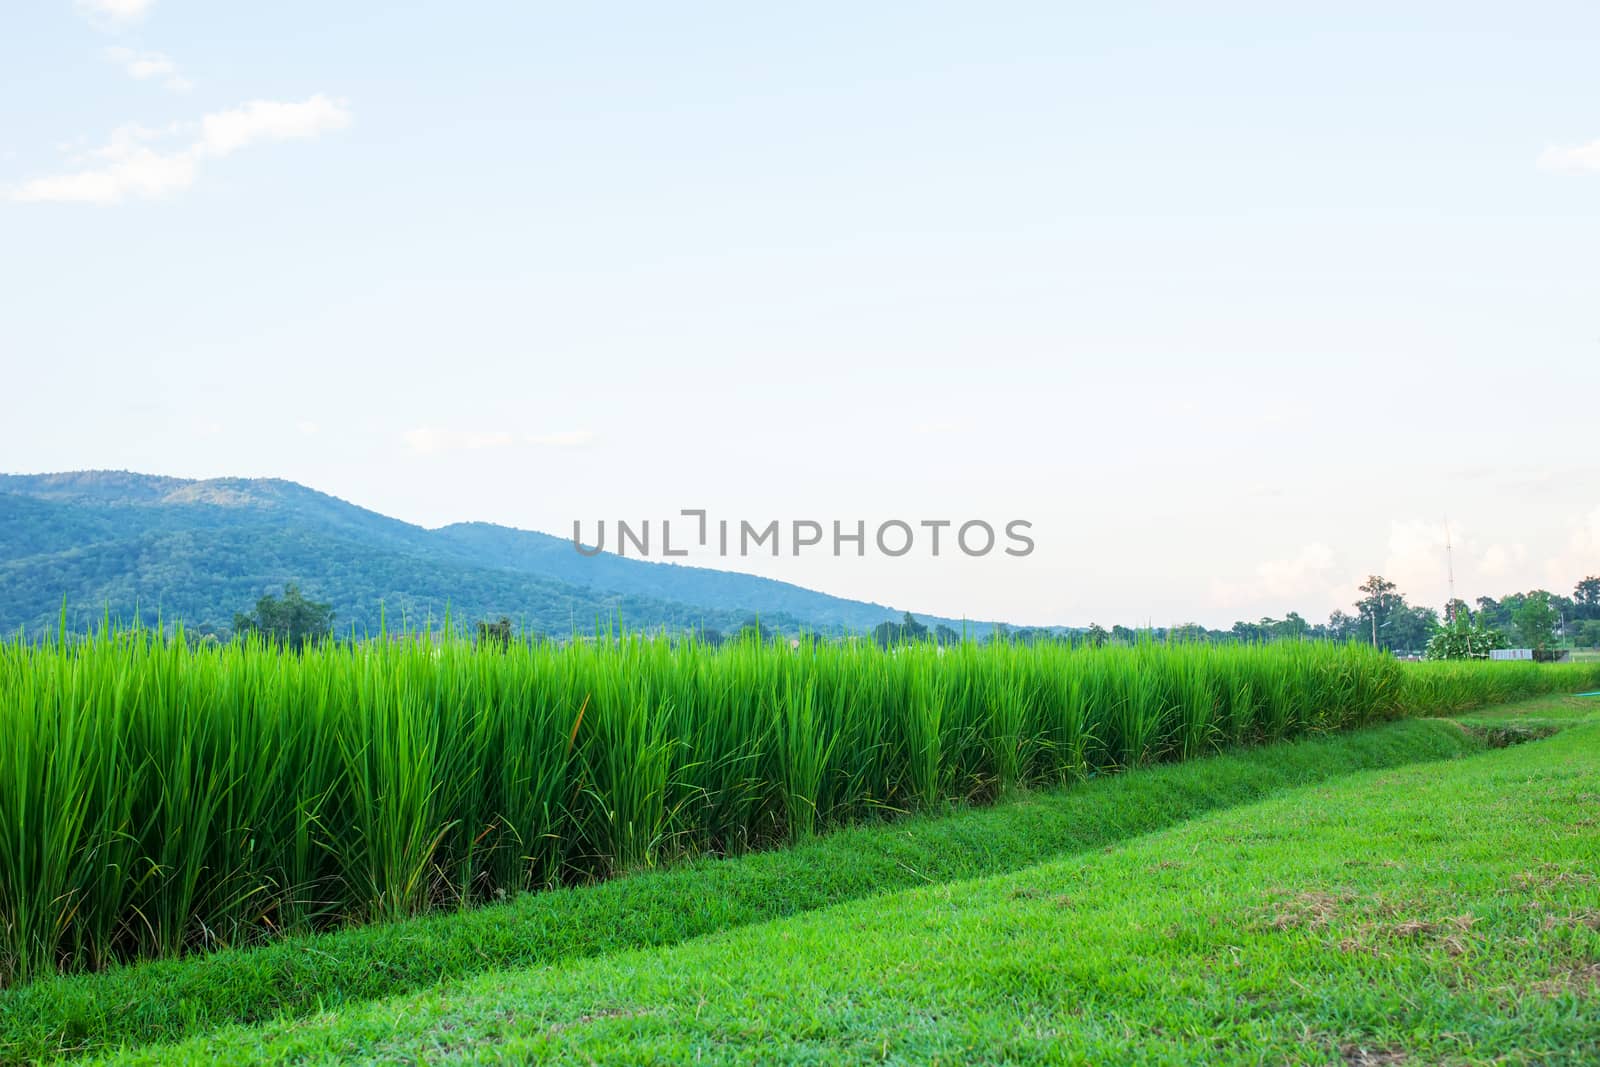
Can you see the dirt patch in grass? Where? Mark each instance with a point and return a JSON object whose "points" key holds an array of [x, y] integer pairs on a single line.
{"points": [[1361, 1056], [1548, 876], [1580, 978], [585, 1020], [1503, 735], [1311, 910], [1453, 934]]}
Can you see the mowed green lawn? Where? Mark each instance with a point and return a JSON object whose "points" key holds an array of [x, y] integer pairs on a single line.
{"points": [[1445, 911]]}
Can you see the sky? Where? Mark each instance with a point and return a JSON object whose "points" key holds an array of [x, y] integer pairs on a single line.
{"points": [[1234, 305]]}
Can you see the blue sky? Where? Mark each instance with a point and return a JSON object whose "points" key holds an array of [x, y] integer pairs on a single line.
{"points": [[1235, 305]]}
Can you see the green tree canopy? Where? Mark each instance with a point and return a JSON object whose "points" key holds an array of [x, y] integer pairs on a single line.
{"points": [[293, 620], [899, 633], [1587, 633], [495, 634], [1535, 620], [753, 630], [1586, 597], [1378, 606]]}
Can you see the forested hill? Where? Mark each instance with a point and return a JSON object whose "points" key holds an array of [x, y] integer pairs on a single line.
{"points": [[202, 550]]}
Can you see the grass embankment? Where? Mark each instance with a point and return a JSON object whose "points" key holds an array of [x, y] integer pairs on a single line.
{"points": [[1443, 912], [159, 799], [169, 1000]]}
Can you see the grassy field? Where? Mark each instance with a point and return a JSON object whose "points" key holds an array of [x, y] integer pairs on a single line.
{"points": [[1442, 911], [270, 825]]}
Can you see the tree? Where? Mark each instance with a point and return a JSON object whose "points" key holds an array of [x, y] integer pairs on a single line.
{"points": [[1342, 627], [1378, 605], [1096, 636], [899, 633], [293, 621], [1248, 632], [1462, 637], [1409, 628], [1493, 613], [1586, 598], [1587, 634], [753, 630], [1535, 620], [495, 634], [945, 635]]}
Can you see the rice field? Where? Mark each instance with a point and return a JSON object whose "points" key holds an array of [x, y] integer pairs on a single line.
{"points": [[158, 799]]}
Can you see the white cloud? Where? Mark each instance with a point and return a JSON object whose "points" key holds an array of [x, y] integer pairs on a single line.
{"points": [[1581, 556], [942, 427], [143, 66], [126, 166], [1572, 159], [431, 440], [1498, 561], [130, 166], [1417, 560], [428, 440], [1281, 581], [1287, 577], [569, 439], [109, 14], [225, 132]]}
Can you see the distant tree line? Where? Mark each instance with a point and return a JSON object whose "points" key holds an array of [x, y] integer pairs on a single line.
{"points": [[1381, 616]]}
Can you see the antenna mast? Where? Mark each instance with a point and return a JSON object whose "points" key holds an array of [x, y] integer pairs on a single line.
{"points": [[1450, 568]]}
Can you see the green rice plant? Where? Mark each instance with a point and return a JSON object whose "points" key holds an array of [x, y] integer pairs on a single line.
{"points": [[1070, 703], [973, 723], [1008, 742], [924, 710], [526, 779], [391, 823], [1138, 707], [1240, 695], [868, 711], [1279, 700], [624, 755], [805, 747], [726, 734], [1197, 704]]}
